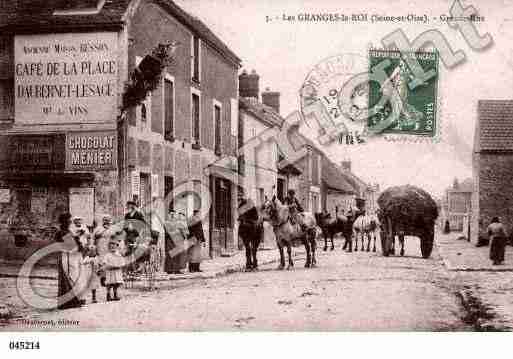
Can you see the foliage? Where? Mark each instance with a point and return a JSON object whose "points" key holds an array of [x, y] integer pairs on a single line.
{"points": [[408, 205], [144, 81]]}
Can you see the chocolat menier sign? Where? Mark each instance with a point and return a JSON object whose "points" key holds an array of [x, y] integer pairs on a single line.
{"points": [[66, 78]]}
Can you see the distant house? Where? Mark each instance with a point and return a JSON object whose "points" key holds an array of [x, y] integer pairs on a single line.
{"points": [[337, 193], [458, 204], [493, 166]]}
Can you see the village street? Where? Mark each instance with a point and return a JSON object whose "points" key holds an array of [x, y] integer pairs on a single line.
{"points": [[357, 291]]}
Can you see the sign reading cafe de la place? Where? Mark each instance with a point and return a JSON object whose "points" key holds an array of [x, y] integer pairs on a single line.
{"points": [[65, 78]]}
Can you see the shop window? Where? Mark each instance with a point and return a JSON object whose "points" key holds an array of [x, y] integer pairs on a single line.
{"points": [[222, 205], [168, 189], [144, 114]]}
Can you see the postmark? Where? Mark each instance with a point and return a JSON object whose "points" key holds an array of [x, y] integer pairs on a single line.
{"points": [[336, 117], [419, 106]]}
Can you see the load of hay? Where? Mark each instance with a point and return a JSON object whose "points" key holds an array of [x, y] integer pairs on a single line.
{"points": [[408, 206]]}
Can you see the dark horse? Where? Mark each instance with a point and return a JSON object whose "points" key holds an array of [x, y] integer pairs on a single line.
{"points": [[348, 231], [250, 231], [330, 226]]}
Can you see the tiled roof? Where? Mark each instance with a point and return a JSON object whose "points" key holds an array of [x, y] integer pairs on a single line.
{"points": [[264, 113], [37, 14], [334, 178], [199, 28], [34, 15], [494, 131]]}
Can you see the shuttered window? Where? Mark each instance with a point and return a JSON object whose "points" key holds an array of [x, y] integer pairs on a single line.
{"points": [[169, 110]]}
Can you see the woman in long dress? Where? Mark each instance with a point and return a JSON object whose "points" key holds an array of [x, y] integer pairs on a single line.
{"points": [[70, 266], [176, 235], [198, 238], [497, 234]]}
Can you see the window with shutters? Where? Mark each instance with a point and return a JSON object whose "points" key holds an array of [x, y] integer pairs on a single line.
{"points": [[169, 109], [195, 111], [195, 54], [217, 128]]}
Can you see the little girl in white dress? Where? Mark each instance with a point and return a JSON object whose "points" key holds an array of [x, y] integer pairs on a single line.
{"points": [[113, 263]]}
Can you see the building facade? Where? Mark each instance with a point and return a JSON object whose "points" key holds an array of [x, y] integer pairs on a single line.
{"points": [[66, 147], [492, 166]]}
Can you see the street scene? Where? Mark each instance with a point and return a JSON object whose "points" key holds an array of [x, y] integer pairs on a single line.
{"points": [[164, 167]]}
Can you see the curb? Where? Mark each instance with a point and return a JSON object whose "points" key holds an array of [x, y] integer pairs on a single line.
{"points": [[230, 269]]}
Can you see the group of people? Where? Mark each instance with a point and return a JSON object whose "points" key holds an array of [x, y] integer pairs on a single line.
{"points": [[184, 239], [93, 259], [88, 261]]}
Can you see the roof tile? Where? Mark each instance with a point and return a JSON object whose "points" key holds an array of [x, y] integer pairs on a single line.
{"points": [[495, 127]]}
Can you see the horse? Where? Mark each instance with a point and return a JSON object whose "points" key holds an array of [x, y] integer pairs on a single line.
{"points": [[251, 231], [365, 225], [280, 217], [330, 227]]}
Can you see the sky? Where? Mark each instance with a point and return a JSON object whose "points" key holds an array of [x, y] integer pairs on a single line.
{"points": [[283, 53]]}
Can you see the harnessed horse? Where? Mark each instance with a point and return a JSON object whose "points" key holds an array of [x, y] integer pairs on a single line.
{"points": [[331, 226], [366, 225], [279, 215]]}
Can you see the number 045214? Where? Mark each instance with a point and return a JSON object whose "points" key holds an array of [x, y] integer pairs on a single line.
{"points": [[23, 345]]}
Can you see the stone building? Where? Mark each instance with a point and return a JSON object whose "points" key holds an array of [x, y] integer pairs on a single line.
{"points": [[259, 168], [65, 147], [492, 166]]}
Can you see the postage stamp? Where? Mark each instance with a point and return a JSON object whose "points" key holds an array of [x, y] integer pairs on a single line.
{"points": [[418, 115]]}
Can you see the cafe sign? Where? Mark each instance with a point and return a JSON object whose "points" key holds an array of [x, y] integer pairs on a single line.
{"points": [[65, 78], [94, 150]]}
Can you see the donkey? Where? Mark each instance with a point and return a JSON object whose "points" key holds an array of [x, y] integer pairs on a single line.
{"points": [[366, 225], [286, 232]]}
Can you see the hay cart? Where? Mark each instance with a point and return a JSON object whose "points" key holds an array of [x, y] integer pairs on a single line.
{"points": [[407, 211]]}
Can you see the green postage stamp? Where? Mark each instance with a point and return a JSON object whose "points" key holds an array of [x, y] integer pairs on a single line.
{"points": [[419, 103]]}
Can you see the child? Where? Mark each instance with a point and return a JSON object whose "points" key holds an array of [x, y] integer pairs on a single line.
{"points": [[93, 261], [113, 262]]}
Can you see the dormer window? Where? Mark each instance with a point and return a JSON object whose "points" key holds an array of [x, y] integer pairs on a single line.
{"points": [[80, 7]]}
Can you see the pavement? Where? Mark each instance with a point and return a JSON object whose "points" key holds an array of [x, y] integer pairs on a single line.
{"points": [[461, 255], [456, 289], [346, 291], [486, 289], [44, 280]]}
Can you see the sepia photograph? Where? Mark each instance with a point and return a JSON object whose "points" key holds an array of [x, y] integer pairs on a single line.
{"points": [[255, 166]]}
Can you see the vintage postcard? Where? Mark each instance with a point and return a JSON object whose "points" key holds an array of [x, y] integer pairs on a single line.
{"points": [[230, 165]]}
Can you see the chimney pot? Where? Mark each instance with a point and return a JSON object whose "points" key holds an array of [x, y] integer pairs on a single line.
{"points": [[249, 84], [271, 99]]}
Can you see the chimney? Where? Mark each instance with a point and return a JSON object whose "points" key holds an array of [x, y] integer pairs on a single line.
{"points": [[248, 84], [271, 99], [346, 165]]}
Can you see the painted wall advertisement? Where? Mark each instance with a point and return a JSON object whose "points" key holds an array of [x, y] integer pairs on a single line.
{"points": [[65, 78], [81, 203], [93, 150]]}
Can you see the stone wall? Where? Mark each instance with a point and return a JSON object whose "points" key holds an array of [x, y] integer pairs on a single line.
{"points": [[495, 193]]}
